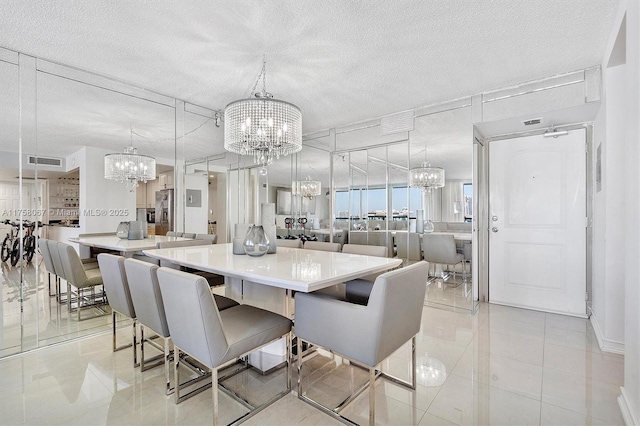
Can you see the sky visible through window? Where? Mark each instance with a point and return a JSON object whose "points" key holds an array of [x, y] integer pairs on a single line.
{"points": [[375, 199]]}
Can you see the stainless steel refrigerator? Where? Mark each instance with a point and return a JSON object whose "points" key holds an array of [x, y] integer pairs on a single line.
{"points": [[164, 211]]}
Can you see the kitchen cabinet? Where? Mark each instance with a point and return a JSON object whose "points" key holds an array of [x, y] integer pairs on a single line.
{"points": [[152, 187], [166, 180], [141, 196]]}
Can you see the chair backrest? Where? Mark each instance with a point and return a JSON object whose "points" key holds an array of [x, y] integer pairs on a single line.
{"points": [[193, 317], [412, 250], [146, 296], [184, 243], [189, 234], [381, 238], [114, 280], [174, 234], [208, 237], [55, 258], [73, 270], [342, 238], [322, 246], [289, 243], [358, 237], [396, 301], [365, 250], [440, 248], [46, 256]]}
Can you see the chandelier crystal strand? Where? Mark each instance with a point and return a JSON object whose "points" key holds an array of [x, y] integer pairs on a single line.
{"points": [[262, 127]]}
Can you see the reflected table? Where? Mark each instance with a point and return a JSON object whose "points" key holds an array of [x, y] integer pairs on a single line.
{"points": [[125, 247]]}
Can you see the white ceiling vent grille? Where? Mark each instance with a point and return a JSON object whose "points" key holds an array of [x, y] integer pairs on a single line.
{"points": [[396, 123], [45, 161]]}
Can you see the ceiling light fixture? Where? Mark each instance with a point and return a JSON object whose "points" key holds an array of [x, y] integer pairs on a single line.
{"points": [[262, 127], [425, 176], [308, 188], [129, 167]]}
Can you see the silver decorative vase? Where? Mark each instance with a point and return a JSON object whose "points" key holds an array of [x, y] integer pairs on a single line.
{"points": [[256, 242]]}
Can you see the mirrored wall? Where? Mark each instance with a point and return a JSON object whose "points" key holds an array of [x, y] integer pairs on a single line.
{"points": [[56, 125]]}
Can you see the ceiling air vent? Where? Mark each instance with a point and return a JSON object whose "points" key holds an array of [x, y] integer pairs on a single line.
{"points": [[396, 123], [532, 122], [45, 161]]}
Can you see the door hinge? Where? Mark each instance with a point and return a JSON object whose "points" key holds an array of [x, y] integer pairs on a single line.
{"points": [[586, 296]]}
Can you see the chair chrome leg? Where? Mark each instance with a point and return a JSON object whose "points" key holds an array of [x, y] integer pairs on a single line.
{"points": [[135, 345], [289, 356], [142, 348], [214, 389], [299, 344], [414, 381], [372, 396], [113, 321], [167, 363], [176, 373]]}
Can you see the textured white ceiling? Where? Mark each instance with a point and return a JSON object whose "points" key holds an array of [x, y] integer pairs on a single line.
{"points": [[340, 61]]}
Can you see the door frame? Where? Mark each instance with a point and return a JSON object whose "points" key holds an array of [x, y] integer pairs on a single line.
{"points": [[483, 146]]}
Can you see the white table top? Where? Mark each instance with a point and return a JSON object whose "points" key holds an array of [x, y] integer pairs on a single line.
{"points": [[289, 268], [112, 242]]}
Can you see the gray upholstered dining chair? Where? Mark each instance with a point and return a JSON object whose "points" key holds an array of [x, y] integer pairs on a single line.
{"points": [[322, 246], [214, 337], [77, 276], [441, 249], [208, 237], [173, 234], [357, 291], [289, 243], [189, 235], [116, 286], [150, 309], [367, 334], [408, 246], [48, 264]]}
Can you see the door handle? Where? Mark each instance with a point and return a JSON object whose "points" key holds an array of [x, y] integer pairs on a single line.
{"points": [[494, 229]]}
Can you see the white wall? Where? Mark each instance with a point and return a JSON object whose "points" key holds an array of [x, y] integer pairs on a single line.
{"points": [[196, 218], [103, 202], [631, 391], [621, 136], [608, 219]]}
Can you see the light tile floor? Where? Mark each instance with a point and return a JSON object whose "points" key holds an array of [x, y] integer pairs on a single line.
{"points": [[501, 366]]}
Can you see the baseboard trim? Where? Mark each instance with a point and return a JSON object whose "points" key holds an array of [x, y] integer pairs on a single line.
{"points": [[628, 415], [606, 345]]}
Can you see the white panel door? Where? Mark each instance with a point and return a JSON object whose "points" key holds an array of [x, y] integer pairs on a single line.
{"points": [[537, 238]]}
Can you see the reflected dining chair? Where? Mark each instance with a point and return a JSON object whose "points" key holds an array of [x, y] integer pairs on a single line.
{"points": [[289, 243], [365, 335], [214, 337], [191, 235], [77, 276], [173, 234], [408, 246], [358, 291], [441, 249], [208, 237], [116, 286], [322, 246], [48, 264]]}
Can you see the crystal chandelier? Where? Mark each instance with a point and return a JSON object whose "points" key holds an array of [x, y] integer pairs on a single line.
{"points": [[306, 188], [426, 177], [262, 127], [129, 167]]}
